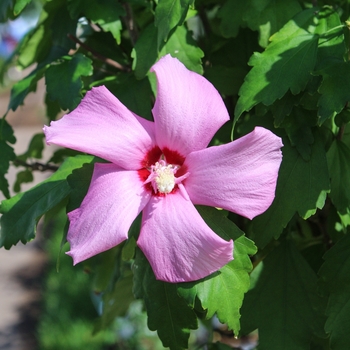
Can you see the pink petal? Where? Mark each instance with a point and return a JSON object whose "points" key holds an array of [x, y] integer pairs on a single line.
{"points": [[188, 109], [101, 125], [240, 176], [178, 243], [114, 199]]}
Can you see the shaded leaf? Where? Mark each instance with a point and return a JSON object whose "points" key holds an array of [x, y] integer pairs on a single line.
{"points": [[22, 177], [105, 13], [334, 90], [168, 313], [338, 158], [63, 81], [22, 212], [335, 274], [268, 16], [7, 154], [145, 52], [301, 187], [282, 302], [231, 15]]}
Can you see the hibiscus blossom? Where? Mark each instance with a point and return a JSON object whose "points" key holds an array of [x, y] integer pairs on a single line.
{"points": [[163, 169]]}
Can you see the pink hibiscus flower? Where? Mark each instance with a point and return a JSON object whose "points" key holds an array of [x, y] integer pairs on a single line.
{"points": [[163, 168]]}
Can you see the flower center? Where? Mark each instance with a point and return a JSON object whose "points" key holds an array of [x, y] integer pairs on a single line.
{"points": [[164, 178]]}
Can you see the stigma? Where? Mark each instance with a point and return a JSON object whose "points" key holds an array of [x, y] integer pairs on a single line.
{"points": [[162, 177]]}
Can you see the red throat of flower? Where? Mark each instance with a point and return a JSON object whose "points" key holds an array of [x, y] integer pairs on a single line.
{"points": [[158, 171]]}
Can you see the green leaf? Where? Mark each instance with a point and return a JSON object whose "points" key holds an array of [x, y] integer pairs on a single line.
{"points": [[284, 65], [6, 156], [105, 13], [283, 303], [22, 88], [334, 90], [22, 212], [133, 93], [24, 176], [182, 46], [338, 158], [335, 274], [222, 292], [6, 12], [20, 6], [6, 132], [79, 181], [168, 313], [301, 187], [35, 148], [64, 82], [145, 52], [269, 16], [168, 15], [231, 15], [331, 44]]}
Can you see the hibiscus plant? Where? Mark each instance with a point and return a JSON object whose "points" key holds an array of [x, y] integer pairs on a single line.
{"points": [[200, 151]]}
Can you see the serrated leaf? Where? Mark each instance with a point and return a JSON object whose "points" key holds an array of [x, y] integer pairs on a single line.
{"points": [[301, 187], [231, 15], [20, 214], [6, 156], [79, 182], [335, 274], [284, 65], [63, 81], [338, 158], [222, 292], [22, 88], [24, 176], [35, 148], [334, 90], [6, 132], [268, 16], [283, 303], [168, 313], [182, 46], [168, 15]]}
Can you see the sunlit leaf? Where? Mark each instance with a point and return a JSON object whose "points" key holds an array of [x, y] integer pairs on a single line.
{"points": [[22, 212], [284, 65]]}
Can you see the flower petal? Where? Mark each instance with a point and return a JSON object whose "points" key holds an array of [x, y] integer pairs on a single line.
{"points": [[178, 243], [101, 125], [114, 199], [188, 109], [240, 176]]}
